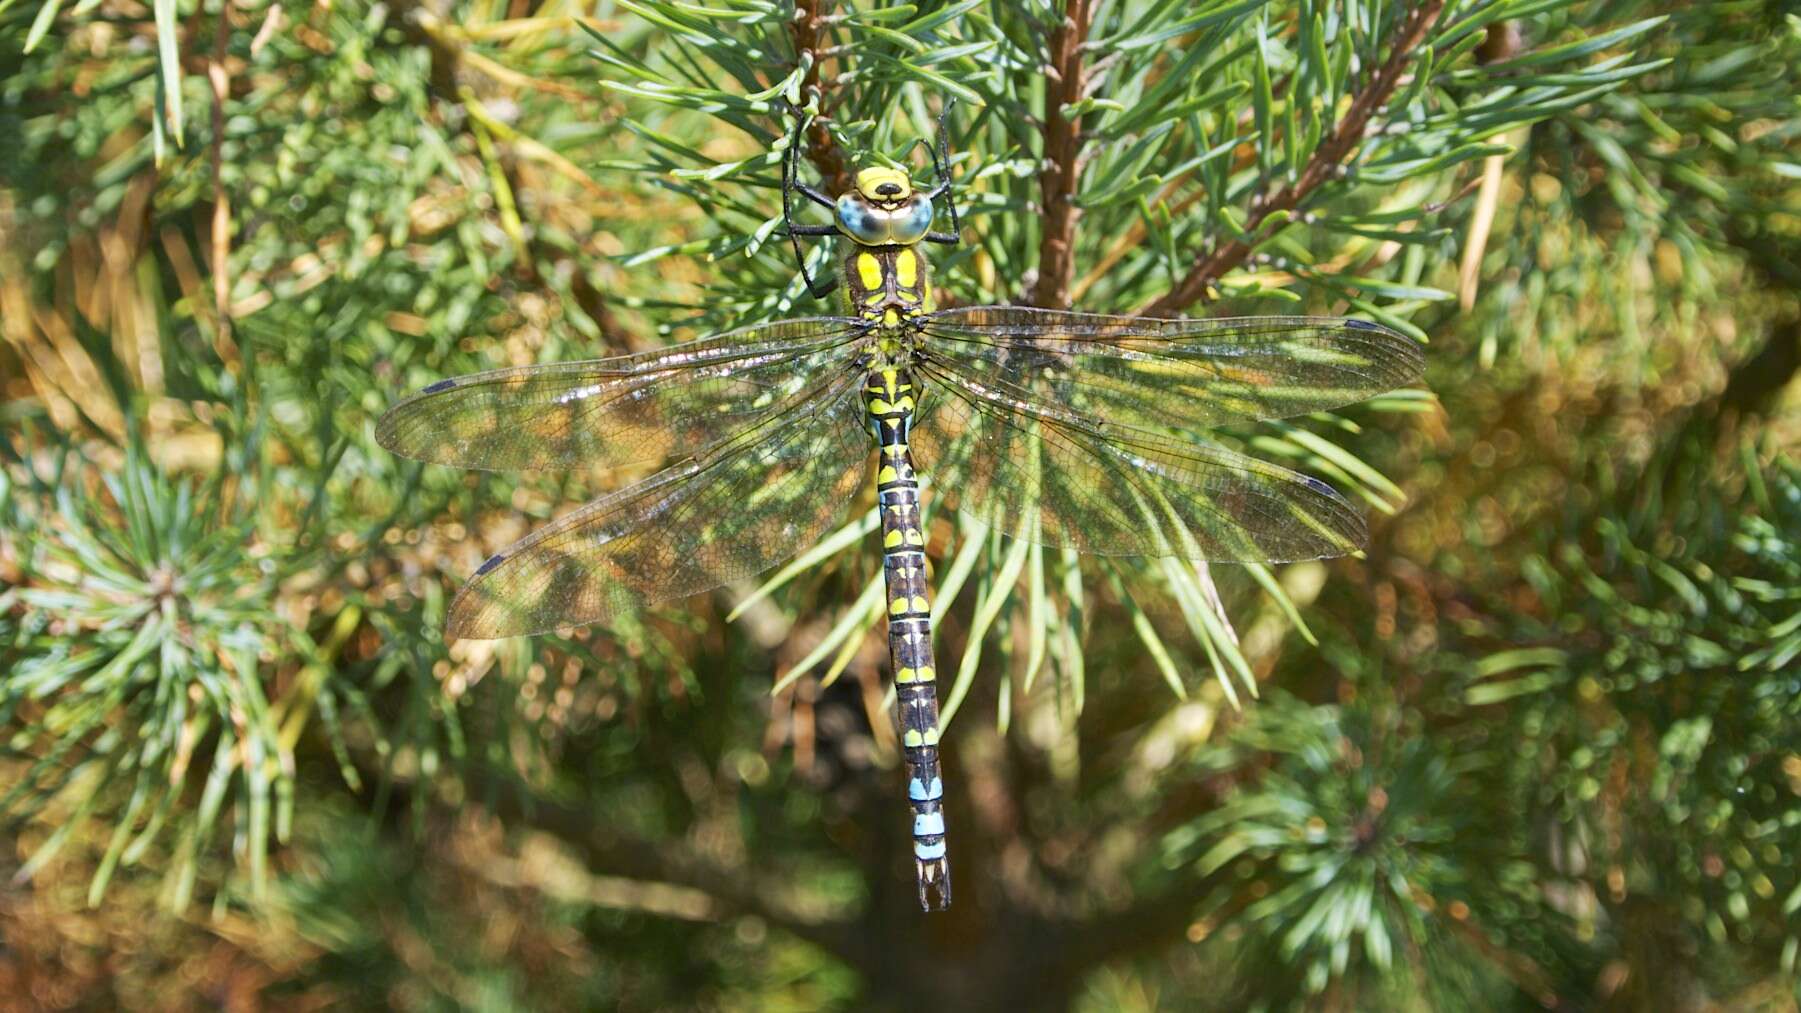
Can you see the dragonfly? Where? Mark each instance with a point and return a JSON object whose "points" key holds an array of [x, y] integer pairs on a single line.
{"points": [[1071, 429]]}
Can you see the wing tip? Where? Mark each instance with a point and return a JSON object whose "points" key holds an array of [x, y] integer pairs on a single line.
{"points": [[1346, 528], [465, 620], [387, 431], [1410, 358]]}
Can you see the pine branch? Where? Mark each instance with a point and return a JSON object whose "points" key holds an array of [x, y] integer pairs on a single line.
{"points": [[807, 29], [610, 849], [1065, 80], [1325, 165]]}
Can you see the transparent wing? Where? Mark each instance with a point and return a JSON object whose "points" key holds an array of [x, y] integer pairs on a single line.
{"points": [[1173, 374], [1045, 473], [623, 410], [736, 510]]}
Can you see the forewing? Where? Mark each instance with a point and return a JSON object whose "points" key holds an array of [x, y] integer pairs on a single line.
{"points": [[1173, 374], [1049, 475], [624, 410], [741, 508]]}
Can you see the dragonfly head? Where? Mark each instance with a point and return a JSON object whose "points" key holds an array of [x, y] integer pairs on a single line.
{"points": [[884, 209], [884, 185]]}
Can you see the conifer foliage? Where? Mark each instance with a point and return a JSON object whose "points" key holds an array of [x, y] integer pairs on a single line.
{"points": [[1540, 745]]}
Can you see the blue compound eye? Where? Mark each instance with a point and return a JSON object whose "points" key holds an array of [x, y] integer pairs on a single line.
{"points": [[858, 221], [912, 221]]}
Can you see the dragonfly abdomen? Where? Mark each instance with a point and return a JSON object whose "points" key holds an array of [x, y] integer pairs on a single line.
{"points": [[889, 398]]}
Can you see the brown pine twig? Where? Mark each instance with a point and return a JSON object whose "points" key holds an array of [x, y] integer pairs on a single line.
{"points": [[1062, 159], [1326, 163], [808, 32]]}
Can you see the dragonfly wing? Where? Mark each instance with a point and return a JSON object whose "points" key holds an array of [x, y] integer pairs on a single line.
{"points": [[736, 510], [1049, 475], [1174, 374], [623, 410]]}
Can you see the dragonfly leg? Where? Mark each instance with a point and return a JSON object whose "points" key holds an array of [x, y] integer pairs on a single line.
{"points": [[941, 165], [818, 198], [791, 185]]}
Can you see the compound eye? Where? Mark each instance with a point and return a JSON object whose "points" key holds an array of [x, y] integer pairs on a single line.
{"points": [[913, 221], [857, 220]]}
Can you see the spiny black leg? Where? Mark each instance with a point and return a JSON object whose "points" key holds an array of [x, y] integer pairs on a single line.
{"points": [[815, 196], [791, 183], [941, 161]]}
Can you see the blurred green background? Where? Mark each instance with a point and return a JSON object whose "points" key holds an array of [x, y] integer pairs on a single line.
{"points": [[1538, 747]]}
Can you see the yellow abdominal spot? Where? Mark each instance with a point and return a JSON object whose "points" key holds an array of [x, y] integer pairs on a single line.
{"points": [[920, 604], [897, 606], [887, 474], [890, 317], [869, 271], [891, 540], [906, 268]]}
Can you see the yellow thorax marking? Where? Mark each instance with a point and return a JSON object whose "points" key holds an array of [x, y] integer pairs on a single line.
{"points": [[890, 317], [906, 269], [869, 271]]}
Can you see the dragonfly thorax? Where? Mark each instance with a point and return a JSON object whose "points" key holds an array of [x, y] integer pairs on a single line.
{"points": [[886, 285]]}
